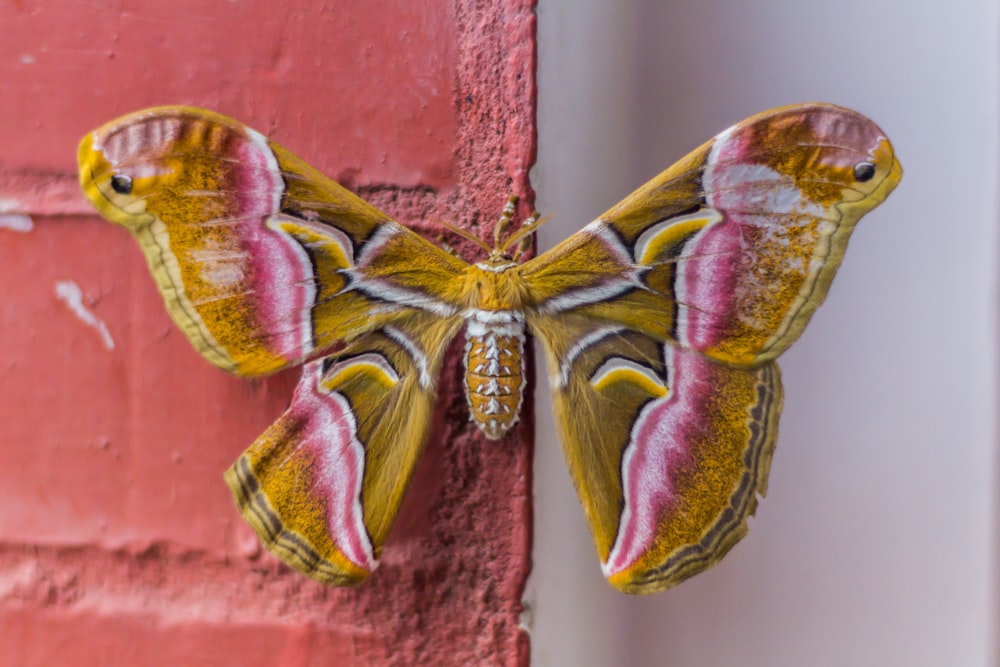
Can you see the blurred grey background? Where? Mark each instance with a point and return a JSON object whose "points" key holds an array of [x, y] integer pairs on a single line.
{"points": [[875, 545]]}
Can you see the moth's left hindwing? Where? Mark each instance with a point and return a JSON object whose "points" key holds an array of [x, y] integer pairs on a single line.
{"points": [[323, 484], [264, 263], [661, 320]]}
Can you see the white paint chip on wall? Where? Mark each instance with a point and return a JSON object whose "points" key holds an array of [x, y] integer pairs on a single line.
{"points": [[12, 218], [70, 293], [17, 222]]}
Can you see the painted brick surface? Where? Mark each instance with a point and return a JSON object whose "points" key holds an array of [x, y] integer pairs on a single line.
{"points": [[118, 539]]}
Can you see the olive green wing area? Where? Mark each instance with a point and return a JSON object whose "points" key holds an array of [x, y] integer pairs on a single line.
{"points": [[668, 449]]}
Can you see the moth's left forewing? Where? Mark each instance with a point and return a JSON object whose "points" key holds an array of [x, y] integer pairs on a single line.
{"points": [[262, 261]]}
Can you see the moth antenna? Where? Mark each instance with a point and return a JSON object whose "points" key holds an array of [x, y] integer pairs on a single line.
{"points": [[504, 222], [461, 232], [531, 225], [525, 243], [522, 248]]}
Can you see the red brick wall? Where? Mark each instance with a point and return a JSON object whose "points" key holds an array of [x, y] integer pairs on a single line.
{"points": [[119, 543]]}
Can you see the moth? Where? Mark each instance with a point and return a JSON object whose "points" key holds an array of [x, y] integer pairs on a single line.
{"points": [[659, 322]]}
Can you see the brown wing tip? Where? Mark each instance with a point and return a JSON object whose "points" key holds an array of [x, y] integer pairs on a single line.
{"points": [[290, 547]]}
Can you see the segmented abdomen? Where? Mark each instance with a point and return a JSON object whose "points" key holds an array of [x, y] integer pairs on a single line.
{"points": [[494, 375]]}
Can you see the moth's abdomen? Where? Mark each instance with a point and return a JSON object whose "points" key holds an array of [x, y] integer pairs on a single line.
{"points": [[494, 375]]}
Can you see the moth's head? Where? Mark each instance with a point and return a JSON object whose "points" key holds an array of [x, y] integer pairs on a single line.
{"points": [[506, 249]]}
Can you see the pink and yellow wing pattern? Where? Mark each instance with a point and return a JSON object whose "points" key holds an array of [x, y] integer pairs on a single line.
{"points": [[322, 485], [264, 263], [661, 320]]}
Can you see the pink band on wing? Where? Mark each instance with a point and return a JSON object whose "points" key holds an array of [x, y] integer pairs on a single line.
{"points": [[660, 446], [706, 305], [281, 273], [329, 436]]}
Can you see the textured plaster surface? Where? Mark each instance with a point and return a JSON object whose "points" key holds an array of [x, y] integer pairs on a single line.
{"points": [[118, 540]]}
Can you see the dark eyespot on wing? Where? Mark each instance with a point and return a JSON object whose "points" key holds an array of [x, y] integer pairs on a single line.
{"points": [[121, 184], [864, 171]]}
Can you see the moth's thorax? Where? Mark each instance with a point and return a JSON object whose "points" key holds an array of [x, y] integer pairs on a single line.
{"points": [[494, 284]]}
